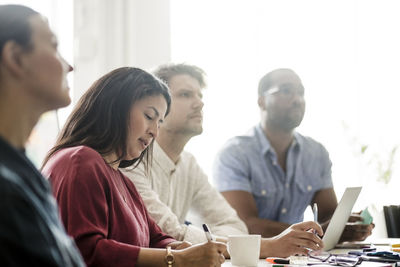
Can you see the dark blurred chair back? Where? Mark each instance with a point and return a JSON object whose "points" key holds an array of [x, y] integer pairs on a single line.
{"points": [[392, 218]]}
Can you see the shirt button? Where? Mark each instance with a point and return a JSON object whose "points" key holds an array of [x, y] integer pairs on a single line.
{"points": [[284, 210], [287, 185], [309, 188], [263, 192]]}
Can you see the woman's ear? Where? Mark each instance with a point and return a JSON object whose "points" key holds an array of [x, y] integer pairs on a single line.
{"points": [[11, 57]]}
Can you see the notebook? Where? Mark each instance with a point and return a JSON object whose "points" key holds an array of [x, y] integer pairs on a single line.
{"points": [[340, 217]]}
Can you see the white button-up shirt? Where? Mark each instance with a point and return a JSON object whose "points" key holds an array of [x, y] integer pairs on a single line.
{"points": [[172, 190]]}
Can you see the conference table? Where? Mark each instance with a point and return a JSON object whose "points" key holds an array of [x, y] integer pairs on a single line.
{"points": [[380, 244]]}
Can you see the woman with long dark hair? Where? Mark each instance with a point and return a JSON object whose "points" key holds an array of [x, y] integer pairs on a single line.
{"points": [[114, 125]]}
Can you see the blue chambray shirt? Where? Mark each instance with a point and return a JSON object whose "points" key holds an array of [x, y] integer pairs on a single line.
{"points": [[249, 163]]}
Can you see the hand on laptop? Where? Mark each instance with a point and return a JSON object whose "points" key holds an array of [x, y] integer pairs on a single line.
{"points": [[355, 230], [297, 239]]}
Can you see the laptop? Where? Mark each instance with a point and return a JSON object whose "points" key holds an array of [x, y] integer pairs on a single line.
{"points": [[340, 217]]}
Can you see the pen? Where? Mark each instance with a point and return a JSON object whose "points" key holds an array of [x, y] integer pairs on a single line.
{"points": [[207, 232], [315, 212], [277, 260]]}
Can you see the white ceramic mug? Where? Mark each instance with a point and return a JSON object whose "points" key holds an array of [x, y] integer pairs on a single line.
{"points": [[244, 249]]}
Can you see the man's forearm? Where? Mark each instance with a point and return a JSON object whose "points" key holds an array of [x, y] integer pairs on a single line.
{"points": [[325, 224], [265, 227]]}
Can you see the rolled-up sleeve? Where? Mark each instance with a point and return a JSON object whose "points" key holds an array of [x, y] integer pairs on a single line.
{"points": [[231, 169], [326, 169], [206, 202]]}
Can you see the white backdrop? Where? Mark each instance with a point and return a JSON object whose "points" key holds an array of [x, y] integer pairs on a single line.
{"points": [[347, 54]]}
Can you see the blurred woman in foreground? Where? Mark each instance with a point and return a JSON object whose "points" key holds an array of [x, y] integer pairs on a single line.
{"points": [[32, 81]]}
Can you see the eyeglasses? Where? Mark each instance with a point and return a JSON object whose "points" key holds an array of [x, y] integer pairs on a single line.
{"points": [[286, 91], [334, 259]]}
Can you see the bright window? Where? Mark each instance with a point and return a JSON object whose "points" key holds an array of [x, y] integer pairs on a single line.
{"points": [[346, 52]]}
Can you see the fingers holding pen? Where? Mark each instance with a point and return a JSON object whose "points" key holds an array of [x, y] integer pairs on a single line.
{"points": [[304, 238], [206, 254], [297, 239], [214, 252], [221, 247], [305, 226]]}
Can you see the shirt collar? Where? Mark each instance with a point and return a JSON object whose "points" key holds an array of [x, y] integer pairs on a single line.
{"points": [[265, 145], [162, 159], [297, 140]]}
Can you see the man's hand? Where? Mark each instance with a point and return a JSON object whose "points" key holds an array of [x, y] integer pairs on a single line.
{"points": [[297, 239], [355, 231]]}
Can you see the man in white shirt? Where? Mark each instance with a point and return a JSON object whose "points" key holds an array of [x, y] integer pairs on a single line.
{"points": [[176, 184]]}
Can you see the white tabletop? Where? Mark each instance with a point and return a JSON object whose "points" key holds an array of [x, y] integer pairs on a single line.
{"points": [[382, 244]]}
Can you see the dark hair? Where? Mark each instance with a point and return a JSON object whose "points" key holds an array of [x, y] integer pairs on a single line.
{"points": [[167, 71], [14, 25], [267, 81], [100, 118]]}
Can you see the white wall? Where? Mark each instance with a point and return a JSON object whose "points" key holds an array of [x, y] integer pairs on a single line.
{"points": [[111, 34]]}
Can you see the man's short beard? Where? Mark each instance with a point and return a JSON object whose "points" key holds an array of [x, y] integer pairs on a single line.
{"points": [[290, 125], [286, 124]]}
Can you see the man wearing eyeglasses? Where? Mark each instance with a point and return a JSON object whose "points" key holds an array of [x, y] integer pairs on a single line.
{"points": [[271, 174]]}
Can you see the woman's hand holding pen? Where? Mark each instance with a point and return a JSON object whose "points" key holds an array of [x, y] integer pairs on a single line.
{"points": [[180, 245], [297, 239], [206, 254]]}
